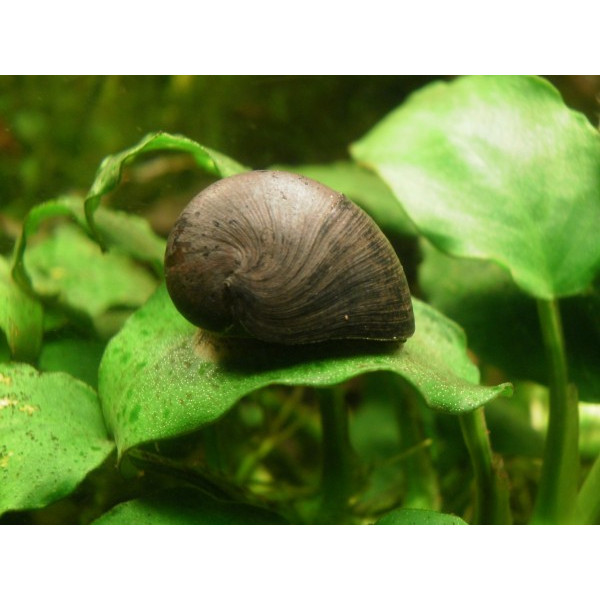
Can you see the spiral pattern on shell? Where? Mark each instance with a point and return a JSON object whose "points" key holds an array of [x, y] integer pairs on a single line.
{"points": [[285, 259]]}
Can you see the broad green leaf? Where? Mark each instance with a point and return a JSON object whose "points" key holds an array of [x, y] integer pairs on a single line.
{"points": [[21, 317], [502, 323], [70, 268], [126, 233], [51, 436], [497, 168], [161, 377], [186, 506], [418, 516], [110, 171], [363, 187]]}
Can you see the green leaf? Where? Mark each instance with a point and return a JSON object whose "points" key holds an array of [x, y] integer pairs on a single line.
{"points": [[418, 516], [75, 355], [64, 207], [21, 317], [497, 168], [127, 233], [186, 506], [131, 235], [161, 377], [363, 187], [51, 436], [110, 171], [72, 269], [502, 322]]}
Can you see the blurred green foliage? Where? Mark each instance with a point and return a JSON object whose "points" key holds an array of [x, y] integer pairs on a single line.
{"points": [[54, 130]]}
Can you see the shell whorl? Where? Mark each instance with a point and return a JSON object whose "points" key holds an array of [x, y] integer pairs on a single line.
{"points": [[285, 259]]}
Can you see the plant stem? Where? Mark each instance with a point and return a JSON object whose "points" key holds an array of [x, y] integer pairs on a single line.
{"points": [[491, 500], [588, 502], [337, 473], [560, 470], [422, 484]]}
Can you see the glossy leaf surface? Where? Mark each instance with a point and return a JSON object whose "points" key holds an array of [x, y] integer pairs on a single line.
{"points": [[161, 377], [497, 168]]}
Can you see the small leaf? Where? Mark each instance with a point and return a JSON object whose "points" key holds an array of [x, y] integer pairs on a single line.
{"points": [[64, 207], [497, 168], [21, 317], [161, 377], [110, 171], [418, 516], [186, 506], [72, 269], [127, 233], [52, 435]]}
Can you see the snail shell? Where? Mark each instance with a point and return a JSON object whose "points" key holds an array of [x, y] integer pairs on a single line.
{"points": [[285, 259]]}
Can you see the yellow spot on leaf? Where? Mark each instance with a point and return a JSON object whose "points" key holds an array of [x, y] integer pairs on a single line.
{"points": [[5, 379], [58, 273], [4, 459], [28, 409], [6, 402]]}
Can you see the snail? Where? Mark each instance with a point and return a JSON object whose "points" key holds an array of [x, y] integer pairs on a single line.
{"points": [[282, 258]]}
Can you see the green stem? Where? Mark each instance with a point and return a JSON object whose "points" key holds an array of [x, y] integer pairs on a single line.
{"points": [[491, 498], [422, 484], [337, 473], [560, 470], [588, 502]]}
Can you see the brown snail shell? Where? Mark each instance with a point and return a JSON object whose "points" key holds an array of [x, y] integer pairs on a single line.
{"points": [[285, 259]]}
